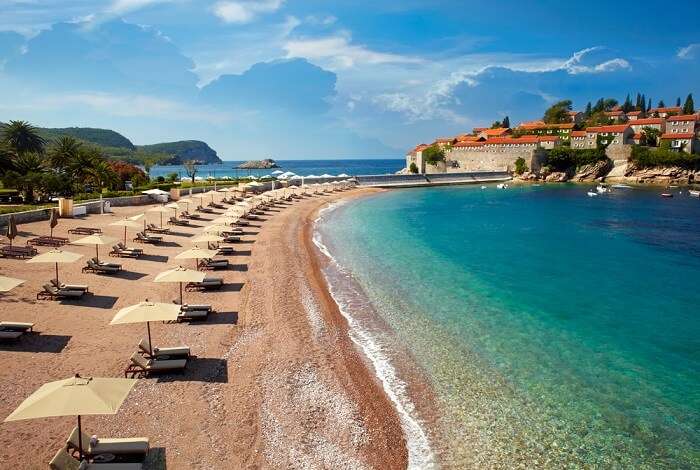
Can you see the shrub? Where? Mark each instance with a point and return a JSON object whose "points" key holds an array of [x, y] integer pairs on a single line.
{"points": [[563, 158], [520, 166], [413, 168], [644, 157], [433, 155]]}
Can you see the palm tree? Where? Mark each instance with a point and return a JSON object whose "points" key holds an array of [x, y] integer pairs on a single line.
{"points": [[28, 171], [63, 152], [103, 175], [22, 138], [6, 157]]}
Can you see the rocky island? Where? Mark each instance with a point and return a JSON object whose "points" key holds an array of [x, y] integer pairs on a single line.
{"points": [[258, 164]]}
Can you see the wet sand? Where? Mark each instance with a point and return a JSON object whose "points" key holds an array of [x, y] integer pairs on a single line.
{"points": [[276, 383]]}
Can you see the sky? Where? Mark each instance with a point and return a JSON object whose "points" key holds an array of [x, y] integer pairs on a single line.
{"points": [[344, 79]]}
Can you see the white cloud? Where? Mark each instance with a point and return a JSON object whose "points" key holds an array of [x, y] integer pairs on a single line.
{"points": [[336, 52], [121, 7], [689, 52], [577, 63], [245, 11]]}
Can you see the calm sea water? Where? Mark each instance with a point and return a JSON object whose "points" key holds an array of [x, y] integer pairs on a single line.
{"points": [[556, 329], [300, 167]]}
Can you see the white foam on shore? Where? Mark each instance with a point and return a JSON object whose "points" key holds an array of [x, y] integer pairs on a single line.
{"points": [[420, 454]]}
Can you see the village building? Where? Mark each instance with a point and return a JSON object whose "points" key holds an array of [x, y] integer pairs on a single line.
{"points": [[685, 142], [576, 117], [486, 134], [638, 125], [664, 112], [617, 115], [500, 153], [563, 131], [682, 124], [578, 139], [634, 115], [609, 136]]}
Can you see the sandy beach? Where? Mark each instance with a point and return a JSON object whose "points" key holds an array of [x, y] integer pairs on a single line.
{"points": [[277, 382]]}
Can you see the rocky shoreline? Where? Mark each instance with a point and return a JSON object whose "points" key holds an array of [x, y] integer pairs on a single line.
{"points": [[258, 164]]}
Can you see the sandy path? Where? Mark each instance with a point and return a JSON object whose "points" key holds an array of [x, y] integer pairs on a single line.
{"points": [[277, 383]]}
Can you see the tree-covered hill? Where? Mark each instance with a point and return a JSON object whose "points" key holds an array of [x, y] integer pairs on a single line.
{"points": [[101, 137]]}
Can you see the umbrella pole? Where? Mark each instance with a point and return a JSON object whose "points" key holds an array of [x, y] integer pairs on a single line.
{"points": [[161, 220], [125, 235], [80, 439], [97, 253], [56, 273], [181, 293], [150, 346]]}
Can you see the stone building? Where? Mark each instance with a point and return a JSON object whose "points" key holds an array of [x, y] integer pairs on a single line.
{"points": [[578, 139], [499, 153], [682, 124], [610, 136], [681, 141], [664, 112], [638, 125], [563, 131]]}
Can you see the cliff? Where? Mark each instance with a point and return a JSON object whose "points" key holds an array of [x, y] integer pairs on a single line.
{"points": [[259, 164], [181, 151]]}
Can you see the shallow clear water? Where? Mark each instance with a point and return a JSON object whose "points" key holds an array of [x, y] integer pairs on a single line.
{"points": [[352, 167], [556, 329]]}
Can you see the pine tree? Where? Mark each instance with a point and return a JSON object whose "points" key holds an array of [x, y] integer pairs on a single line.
{"points": [[643, 103], [678, 102], [599, 106], [661, 104], [589, 109], [689, 106], [649, 106], [506, 122], [627, 105]]}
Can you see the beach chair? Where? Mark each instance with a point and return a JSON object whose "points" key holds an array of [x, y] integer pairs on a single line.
{"points": [[209, 283], [163, 353], [231, 238], [127, 248], [194, 312], [101, 268], [205, 209], [209, 263], [64, 461], [122, 253], [84, 230], [187, 215], [17, 251], [48, 241], [16, 326], [142, 367], [133, 446], [52, 292], [215, 205], [176, 221], [79, 287], [155, 229], [143, 237], [225, 250]]}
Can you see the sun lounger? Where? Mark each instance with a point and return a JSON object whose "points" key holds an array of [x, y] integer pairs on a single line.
{"points": [[16, 326], [226, 250], [215, 205], [63, 285], [142, 237], [51, 292], [128, 248], [214, 264], [122, 253], [101, 268], [163, 353], [205, 209], [209, 283], [176, 221], [84, 230], [140, 366], [17, 251], [194, 312], [231, 238], [155, 229], [10, 335], [47, 241], [187, 215], [64, 461], [116, 446]]}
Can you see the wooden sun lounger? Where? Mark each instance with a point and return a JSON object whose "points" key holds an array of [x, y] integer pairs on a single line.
{"points": [[63, 285], [142, 367], [64, 461], [205, 209], [51, 292], [225, 250], [16, 326], [102, 268], [15, 251], [175, 221], [9, 335], [122, 253], [187, 215], [207, 284], [163, 353], [85, 230], [153, 228], [117, 446], [48, 241], [144, 238], [214, 264], [127, 248]]}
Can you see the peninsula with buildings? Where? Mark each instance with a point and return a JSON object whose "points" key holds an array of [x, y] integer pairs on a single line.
{"points": [[607, 141]]}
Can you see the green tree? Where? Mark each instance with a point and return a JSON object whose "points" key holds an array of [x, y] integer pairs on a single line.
{"points": [[609, 104], [413, 168], [172, 177], [661, 104], [589, 109], [627, 105], [558, 113], [22, 138], [506, 122], [63, 152], [433, 155], [599, 106], [678, 102], [689, 106], [520, 166], [26, 174], [652, 135], [191, 168]]}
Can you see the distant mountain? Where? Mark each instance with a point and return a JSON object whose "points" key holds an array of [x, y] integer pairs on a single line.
{"points": [[101, 137], [183, 150]]}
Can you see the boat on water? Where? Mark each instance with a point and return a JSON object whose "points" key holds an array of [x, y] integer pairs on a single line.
{"points": [[666, 195], [601, 188], [483, 187], [502, 186], [694, 192], [621, 186], [592, 194]]}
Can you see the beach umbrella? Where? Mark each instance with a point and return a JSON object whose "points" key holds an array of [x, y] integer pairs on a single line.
{"points": [[138, 217], [9, 283], [75, 396], [196, 254], [207, 238], [343, 175], [277, 172], [146, 312], [160, 210], [97, 240], [186, 201], [212, 194], [128, 223], [56, 256], [216, 228], [53, 220], [180, 275], [254, 184], [174, 206], [225, 220], [11, 228]]}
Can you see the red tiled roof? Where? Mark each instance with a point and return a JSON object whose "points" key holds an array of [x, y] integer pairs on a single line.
{"points": [[641, 122], [615, 129], [467, 138], [499, 131], [684, 117], [441, 140], [672, 109], [614, 113], [680, 135], [547, 138], [634, 113], [535, 125], [479, 129], [469, 144], [526, 139], [578, 133]]}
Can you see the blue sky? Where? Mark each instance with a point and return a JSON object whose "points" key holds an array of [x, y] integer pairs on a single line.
{"points": [[319, 79]]}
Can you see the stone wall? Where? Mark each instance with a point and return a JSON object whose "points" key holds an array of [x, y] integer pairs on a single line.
{"points": [[486, 159], [619, 152]]}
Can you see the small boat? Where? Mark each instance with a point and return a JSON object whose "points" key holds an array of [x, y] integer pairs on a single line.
{"points": [[483, 187], [666, 195], [601, 188], [592, 194], [694, 192], [621, 186], [501, 186]]}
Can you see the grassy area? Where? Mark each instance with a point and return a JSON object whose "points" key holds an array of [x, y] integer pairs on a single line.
{"points": [[23, 208]]}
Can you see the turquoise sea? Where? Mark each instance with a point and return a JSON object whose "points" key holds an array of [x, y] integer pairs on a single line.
{"points": [[556, 330]]}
